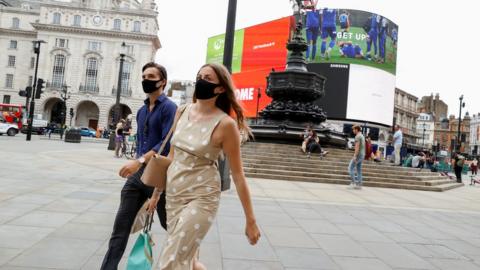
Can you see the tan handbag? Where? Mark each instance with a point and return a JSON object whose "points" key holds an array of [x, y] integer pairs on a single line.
{"points": [[155, 173]]}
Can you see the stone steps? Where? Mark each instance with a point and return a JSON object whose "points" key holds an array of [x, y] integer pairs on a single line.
{"points": [[438, 188], [329, 164], [346, 177], [338, 171], [287, 162]]}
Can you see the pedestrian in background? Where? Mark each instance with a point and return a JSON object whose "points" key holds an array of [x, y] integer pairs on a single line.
{"points": [[356, 162], [118, 138], [474, 166], [397, 144]]}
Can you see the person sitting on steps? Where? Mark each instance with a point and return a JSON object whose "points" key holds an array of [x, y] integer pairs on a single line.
{"points": [[313, 144]]}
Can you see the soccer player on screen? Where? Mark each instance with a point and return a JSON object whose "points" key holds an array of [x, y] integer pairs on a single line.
{"points": [[349, 50], [329, 29], [394, 37], [373, 35], [312, 29], [344, 21], [382, 39]]}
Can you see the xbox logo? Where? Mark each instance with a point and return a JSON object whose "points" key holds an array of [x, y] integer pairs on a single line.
{"points": [[218, 44]]}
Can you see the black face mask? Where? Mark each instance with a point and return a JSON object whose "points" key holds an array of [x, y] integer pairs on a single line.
{"points": [[204, 89], [150, 86]]}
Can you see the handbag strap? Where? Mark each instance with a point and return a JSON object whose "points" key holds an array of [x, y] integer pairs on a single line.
{"points": [[148, 223], [174, 126]]}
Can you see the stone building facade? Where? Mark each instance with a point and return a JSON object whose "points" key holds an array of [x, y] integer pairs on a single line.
{"points": [[425, 130], [405, 114], [446, 133], [434, 106], [81, 55], [475, 134]]}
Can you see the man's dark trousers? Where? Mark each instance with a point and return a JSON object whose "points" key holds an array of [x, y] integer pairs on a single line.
{"points": [[458, 173], [133, 196]]}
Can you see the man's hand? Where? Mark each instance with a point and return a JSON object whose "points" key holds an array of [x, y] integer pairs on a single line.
{"points": [[130, 168]]}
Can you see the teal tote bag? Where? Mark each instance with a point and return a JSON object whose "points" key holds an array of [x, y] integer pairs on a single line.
{"points": [[141, 257]]}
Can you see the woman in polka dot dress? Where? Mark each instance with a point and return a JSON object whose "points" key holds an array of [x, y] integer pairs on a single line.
{"points": [[204, 130]]}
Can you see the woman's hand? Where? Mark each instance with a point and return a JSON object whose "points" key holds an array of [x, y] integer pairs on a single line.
{"points": [[252, 232], [152, 204]]}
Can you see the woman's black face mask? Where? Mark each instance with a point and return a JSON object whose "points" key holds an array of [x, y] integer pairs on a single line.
{"points": [[205, 89]]}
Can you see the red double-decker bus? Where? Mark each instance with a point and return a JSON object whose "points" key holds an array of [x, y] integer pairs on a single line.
{"points": [[12, 113]]}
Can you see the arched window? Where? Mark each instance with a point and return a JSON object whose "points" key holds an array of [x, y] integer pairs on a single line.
{"points": [[136, 26], [91, 74], [117, 24], [56, 18], [15, 23], [77, 19], [58, 70], [126, 71]]}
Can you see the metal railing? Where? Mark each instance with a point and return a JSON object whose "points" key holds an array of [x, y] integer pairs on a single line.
{"points": [[55, 86], [124, 92], [90, 89]]}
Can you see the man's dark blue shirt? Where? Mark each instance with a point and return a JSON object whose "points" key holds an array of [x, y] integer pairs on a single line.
{"points": [[153, 126]]}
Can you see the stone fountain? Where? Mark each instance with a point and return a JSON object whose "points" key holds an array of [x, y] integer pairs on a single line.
{"points": [[293, 94]]}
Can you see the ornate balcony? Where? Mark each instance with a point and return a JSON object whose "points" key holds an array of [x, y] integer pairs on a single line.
{"points": [[88, 89]]}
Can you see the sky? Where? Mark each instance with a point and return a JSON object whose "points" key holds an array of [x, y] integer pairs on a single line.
{"points": [[438, 44]]}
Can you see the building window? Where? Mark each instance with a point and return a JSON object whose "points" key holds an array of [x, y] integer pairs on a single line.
{"points": [[6, 99], [56, 18], [127, 67], [76, 20], [91, 74], [15, 23], [94, 46], [32, 62], [30, 81], [13, 44], [11, 61], [9, 81], [58, 70], [117, 23], [61, 43], [136, 26]]}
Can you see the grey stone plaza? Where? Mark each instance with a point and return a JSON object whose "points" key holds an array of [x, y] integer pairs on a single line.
{"points": [[58, 202]]}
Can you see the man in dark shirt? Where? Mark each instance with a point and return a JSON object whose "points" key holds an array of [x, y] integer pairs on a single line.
{"points": [[154, 120]]}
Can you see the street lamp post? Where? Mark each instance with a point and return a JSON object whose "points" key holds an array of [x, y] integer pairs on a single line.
{"points": [[117, 114], [423, 136], [458, 140], [224, 167], [116, 111], [65, 96], [259, 95]]}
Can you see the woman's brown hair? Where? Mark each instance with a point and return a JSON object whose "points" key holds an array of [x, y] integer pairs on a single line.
{"points": [[227, 101]]}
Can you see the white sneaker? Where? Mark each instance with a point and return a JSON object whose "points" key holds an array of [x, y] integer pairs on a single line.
{"points": [[351, 186]]}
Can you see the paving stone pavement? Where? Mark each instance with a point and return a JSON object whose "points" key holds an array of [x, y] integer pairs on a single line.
{"points": [[58, 202]]}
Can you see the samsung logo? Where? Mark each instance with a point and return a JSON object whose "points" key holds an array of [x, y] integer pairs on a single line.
{"points": [[266, 45], [339, 66]]}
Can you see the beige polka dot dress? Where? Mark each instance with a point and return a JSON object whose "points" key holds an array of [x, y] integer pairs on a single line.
{"points": [[192, 193]]}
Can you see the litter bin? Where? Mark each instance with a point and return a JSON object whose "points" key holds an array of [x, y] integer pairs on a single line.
{"points": [[73, 135], [111, 141]]}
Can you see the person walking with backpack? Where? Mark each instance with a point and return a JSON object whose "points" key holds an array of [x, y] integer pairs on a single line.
{"points": [[458, 161]]}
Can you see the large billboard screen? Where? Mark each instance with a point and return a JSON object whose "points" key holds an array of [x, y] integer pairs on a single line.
{"points": [[355, 50]]}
